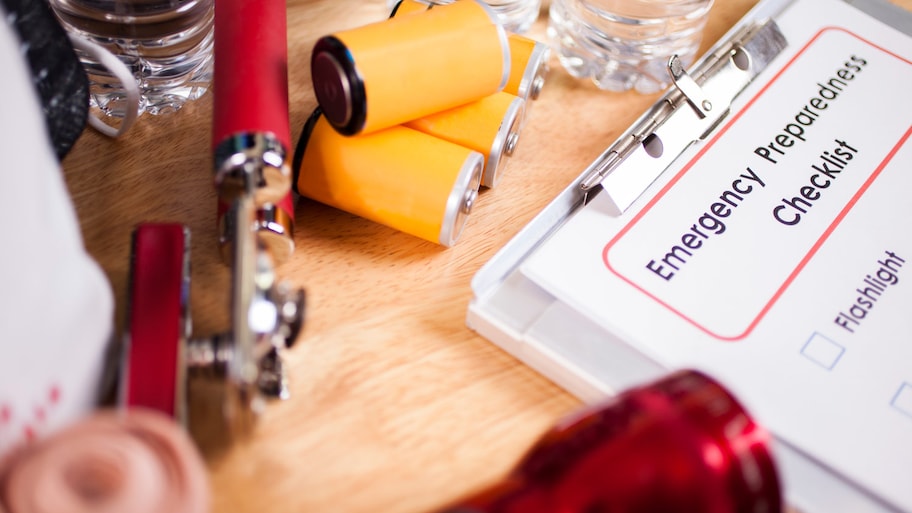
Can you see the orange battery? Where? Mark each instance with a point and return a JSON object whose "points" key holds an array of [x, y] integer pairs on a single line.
{"points": [[489, 126], [386, 73], [529, 66], [398, 177]]}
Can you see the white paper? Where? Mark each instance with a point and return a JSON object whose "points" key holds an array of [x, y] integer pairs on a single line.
{"points": [[56, 306], [807, 323]]}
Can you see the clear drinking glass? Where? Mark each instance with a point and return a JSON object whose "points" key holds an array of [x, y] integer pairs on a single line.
{"points": [[516, 16], [626, 44], [166, 44]]}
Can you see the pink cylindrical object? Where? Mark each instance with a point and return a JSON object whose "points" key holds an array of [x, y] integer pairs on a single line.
{"points": [[133, 460]]}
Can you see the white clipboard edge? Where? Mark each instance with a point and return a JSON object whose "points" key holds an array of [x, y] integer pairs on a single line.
{"points": [[517, 315]]}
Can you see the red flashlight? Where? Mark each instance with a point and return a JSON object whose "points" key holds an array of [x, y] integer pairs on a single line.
{"points": [[682, 444]]}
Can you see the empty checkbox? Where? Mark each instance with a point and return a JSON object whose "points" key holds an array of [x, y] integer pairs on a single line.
{"points": [[822, 351], [902, 401]]}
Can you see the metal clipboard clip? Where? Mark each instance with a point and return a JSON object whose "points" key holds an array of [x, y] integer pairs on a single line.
{"points": [[695, 105]]}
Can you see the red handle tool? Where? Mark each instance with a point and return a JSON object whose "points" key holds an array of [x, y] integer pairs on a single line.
{"points": [[250, 118]]}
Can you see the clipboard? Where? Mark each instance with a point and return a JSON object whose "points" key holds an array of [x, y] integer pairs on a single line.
{"points": [[581, 354]]}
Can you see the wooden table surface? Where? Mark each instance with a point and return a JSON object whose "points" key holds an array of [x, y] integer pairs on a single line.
{"points": [[396, 405]]}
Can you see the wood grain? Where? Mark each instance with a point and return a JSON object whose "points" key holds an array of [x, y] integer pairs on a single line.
{"points": [[396, 405]]}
